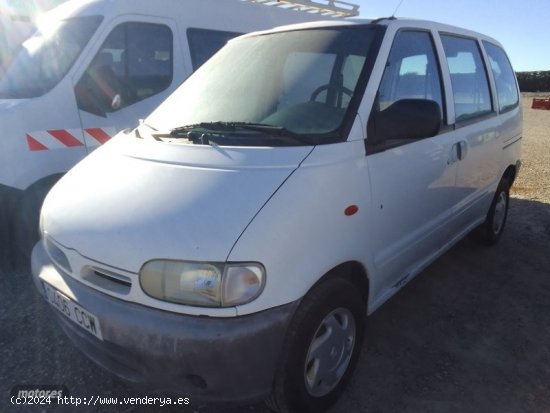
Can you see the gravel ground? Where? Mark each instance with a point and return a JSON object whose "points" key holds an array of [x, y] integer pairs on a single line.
{"points": [[534, 180], [469, 334]]}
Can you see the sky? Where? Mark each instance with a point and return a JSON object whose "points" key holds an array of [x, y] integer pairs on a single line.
{"points": [[521, 26]]}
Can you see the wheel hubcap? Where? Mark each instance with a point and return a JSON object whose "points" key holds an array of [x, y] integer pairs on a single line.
{"points": [[330, 352], [500, 213]]}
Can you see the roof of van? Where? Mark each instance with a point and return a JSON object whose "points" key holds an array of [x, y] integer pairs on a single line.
{"points": [[390, 22]]}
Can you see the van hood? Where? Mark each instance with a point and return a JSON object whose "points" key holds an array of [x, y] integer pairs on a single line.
{"points": [[135, 200]]}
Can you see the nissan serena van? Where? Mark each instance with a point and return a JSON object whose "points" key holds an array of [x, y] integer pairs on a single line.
{"points": [[288, 188]]}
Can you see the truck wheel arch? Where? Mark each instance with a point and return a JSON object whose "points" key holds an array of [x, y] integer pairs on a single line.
{"points": [[27, 214]]}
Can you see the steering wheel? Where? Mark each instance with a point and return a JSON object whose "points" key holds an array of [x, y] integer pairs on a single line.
{"points": [[340, 90]]}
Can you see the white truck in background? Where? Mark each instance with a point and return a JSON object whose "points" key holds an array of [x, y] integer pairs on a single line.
{"points": [[94, 68]]}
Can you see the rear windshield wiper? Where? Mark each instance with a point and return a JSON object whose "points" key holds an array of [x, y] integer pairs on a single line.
{"points": [[189, 130]]}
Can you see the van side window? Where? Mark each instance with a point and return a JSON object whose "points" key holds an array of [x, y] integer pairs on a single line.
{"points": [[471, 94], [505, 79], [204, 43], [412, 71], [134, 63]]}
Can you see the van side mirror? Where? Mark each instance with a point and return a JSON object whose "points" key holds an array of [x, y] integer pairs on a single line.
{"points": [[406, 119]]}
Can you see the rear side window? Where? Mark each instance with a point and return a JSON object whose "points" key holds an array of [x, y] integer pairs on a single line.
{"points": [[472, 97], [204, 43], [505, 79], [412, 71]]}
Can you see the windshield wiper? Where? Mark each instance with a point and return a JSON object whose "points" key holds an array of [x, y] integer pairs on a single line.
{"points": [[219, 126], [191, 132]]}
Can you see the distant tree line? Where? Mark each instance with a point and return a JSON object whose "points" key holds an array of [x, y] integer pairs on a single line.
{"points": [[534, 81]]}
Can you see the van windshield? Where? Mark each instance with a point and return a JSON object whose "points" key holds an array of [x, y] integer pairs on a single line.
{"points": [[260, 88], [46, 57]]}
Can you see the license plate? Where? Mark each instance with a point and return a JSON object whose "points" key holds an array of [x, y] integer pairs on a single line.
{"points": [[73, 311]]}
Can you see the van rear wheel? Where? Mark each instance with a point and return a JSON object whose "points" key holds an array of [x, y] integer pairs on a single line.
{"points": [[321, 348], [490, 231]]}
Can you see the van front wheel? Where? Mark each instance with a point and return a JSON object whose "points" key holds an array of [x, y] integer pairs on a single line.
{"points": [[321, 348], [491, 230]]}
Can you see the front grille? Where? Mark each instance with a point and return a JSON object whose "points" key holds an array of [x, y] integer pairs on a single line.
{"points": [[118, 279], [108, 280]]}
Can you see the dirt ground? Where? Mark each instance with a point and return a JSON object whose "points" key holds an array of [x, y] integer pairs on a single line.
{"points": [[469, 334]]}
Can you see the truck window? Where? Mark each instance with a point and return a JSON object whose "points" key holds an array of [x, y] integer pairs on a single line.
{"points": [[134, 63], [412, 71], [505, 79], [13, 31], [46, 57], [203, 43], [472, 97]]}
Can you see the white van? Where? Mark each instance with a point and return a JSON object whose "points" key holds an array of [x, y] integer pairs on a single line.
{"points": [[287, 189], [97, 66]]}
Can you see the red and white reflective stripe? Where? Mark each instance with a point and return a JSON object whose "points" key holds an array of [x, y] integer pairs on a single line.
{"points": [[100, 135], [53, 139], [66, 138]]}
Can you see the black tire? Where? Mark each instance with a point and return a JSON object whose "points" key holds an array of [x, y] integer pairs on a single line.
{"points": [[490, 231], [334, 309]]}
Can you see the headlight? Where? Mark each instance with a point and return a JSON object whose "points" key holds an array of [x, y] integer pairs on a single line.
{"points": [[202, 284]]}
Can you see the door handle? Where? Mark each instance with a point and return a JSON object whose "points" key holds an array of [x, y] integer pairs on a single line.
{"points": [[453, 156], [461, 150]]}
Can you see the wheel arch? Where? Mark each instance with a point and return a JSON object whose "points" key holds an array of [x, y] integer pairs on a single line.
{"points": [[25, 222], [45, 182], [352, 271], [510, 174]]}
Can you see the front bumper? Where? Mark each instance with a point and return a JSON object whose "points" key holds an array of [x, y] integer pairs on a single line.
{"points": [[215, 359]]}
